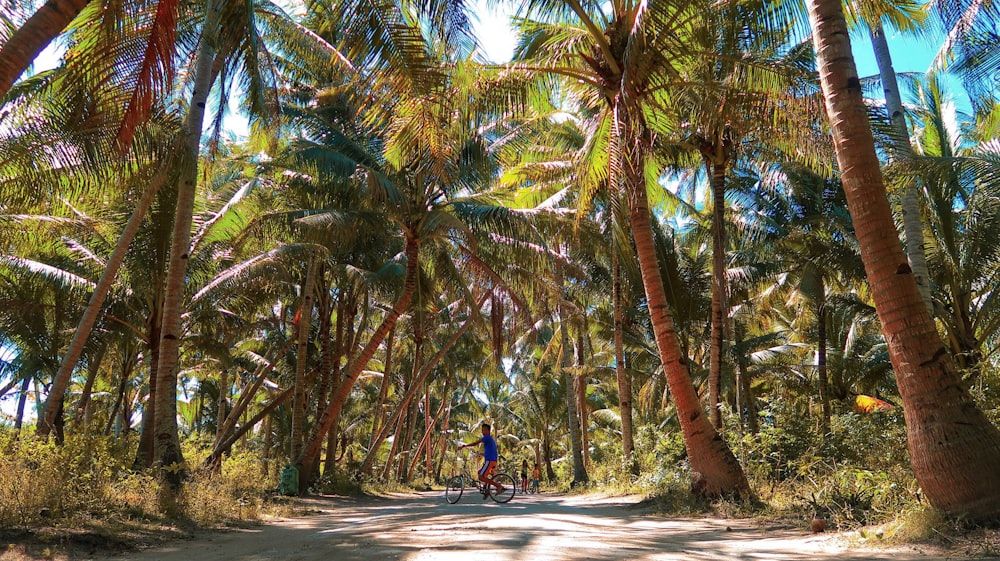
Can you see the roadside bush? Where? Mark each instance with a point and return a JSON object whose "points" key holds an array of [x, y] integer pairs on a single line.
{"points": [[850, 497], [40, 481]]}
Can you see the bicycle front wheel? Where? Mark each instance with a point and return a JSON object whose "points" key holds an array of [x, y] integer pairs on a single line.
{"points": [[507, 482], [454, 491]]}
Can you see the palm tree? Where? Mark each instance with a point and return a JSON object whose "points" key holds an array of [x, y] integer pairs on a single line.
{"points": [[623, 70], [952, 444]]}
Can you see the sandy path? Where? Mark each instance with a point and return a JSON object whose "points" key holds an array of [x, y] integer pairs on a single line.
{"points": [[537, 527]]}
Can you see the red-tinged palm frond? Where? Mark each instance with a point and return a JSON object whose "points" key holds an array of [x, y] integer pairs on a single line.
{"points": [[154, 74]]}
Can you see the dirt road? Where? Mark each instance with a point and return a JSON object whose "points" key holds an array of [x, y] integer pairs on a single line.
{"points": [[535, 527]]}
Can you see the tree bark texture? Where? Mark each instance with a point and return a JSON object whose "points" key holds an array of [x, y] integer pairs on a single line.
{"points": [[953, 447], [720, 286], [913, 225], [169, 458], [715, 469], [29, 40]]}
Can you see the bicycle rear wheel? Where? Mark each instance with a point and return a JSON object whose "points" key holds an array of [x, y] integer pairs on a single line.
{"points": [[507, 482], [454, 491]]}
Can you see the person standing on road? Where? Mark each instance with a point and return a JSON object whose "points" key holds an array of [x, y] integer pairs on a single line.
{"points": [[536, 474], [524, 476], [490, 457]]}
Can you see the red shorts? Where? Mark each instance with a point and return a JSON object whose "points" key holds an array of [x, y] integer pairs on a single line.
{"points": [[488, 467]]}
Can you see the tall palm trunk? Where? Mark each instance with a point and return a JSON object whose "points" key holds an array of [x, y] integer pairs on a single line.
{"points": [[310, 454], [720, 286], [745, 401], [29, 40], [144, 453], [953, 447], [303, 323], [622, 375], [565, 362], [715, 469], [913, 227], [166, 440], [383, 393], [580, 388], [824, 386], [93, 309]]}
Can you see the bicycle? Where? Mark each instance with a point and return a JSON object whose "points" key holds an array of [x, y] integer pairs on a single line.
{"points": [[458, 482]]}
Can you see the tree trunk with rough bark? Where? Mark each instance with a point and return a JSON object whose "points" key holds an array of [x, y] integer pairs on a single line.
{"points": [[302, 323], [565, 363], [29, 40], [167, 446], [954, 449], [623, 377], [913, 226], [824, 387], [720, 288], [715, 470]]}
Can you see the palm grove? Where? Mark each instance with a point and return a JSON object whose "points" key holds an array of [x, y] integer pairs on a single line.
{"points": [[664, 235]]}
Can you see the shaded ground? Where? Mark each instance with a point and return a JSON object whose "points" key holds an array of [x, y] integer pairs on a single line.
{"points": [[537, 527]]}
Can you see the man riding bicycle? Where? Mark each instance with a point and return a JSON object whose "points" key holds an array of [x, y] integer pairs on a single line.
{"points": [[490, 457]]}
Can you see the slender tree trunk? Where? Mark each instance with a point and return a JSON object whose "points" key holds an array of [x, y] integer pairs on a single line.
{"points": [[953, 447], [745, 402], [248, 393], [425, 372], [396, 439], [83, 404], [720, 287], [29, 40], [565, 361], [93, 309], [310, 453], [715, 469], [913, 227], [425, 440], [624, 378], [824, 389], [22, 401], [550, 474], [303, 323], [167, 445], [128, 364], [221, 406], [144, 451], [383, 393], [580, 388]]}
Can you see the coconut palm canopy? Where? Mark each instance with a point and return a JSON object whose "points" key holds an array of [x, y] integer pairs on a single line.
{"points": [[659, 231]]}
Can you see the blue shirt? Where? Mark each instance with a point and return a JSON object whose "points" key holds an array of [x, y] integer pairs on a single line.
{"points": [[489, 448]]}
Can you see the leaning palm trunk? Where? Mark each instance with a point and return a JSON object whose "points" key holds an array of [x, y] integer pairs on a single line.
{"points": [[166, 441], [953, 447], [425, 372], [93, 309], [306, 461], [913, 227], [715, 469], [29, 40]]}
